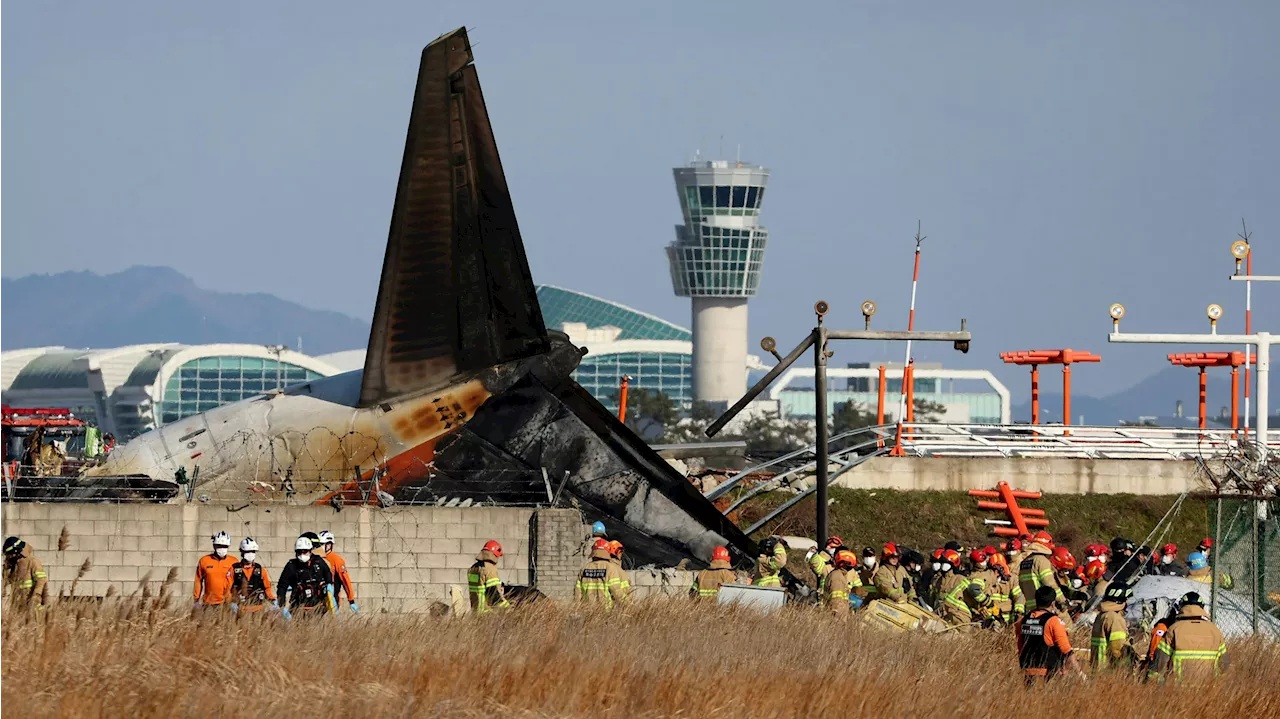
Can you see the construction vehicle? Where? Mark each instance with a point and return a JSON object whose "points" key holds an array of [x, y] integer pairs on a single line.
{"points": [[42, 445]]}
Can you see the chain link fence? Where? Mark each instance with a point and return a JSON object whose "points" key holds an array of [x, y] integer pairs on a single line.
{"points": [[1245, 594]]}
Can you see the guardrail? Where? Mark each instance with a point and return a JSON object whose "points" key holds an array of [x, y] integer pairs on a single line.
{"points": [[1084, 442]]}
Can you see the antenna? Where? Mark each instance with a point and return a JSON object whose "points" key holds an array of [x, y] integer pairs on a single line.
{"points": [[721, 150], [738, 159]]}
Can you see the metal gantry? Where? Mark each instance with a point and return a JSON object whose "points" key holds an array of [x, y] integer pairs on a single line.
{"points": [[817, 339]]}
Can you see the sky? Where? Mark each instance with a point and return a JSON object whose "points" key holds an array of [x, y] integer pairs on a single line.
{"points": [[1060, 156]]}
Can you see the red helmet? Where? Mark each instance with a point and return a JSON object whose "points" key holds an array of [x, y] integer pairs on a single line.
{"points": [[845, 559], [600, 543], [1169, 548], [615, 548], [1013, 545], [989, 550], [937, 554], [998, 560], [978, 556], [493, 548], [1043, 537], [1094, 570], [1063, 559], [834, 541], [890, 550], [720, 554], [1206, 543], [1095, 550], [952, 557]]}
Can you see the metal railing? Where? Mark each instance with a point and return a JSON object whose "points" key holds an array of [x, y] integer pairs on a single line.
{"points": [[1084, 442]]}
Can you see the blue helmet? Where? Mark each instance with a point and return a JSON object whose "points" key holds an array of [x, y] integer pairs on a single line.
{"points": [[597, 529], [1197, 560]]}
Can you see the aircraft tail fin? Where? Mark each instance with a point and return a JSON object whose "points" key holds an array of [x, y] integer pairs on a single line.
{"points": [[456, 294]]}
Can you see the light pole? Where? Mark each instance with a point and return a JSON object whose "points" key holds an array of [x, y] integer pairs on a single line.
{"points": [[1263, 341], [817, 339]]}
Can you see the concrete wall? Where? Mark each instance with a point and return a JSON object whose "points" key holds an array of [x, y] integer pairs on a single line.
{"points": [[1054, 475], [719, 348], [401, 559]]}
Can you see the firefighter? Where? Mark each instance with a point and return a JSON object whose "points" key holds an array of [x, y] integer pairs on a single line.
{"points": [[1192, 648], [707, 583], [1070, 583], [820, 560], [250, 586], [1169, 565], [1007, 594], [601, 581], [483, 585], [1043, 646], [773, 557], [1012, 551], [932, 581], [213, 574], [597, 532], [24, 575], [341, 577], [1109, 644], [866, 575], [951, 592], [306, 583], [1157, 633], [1198, 562], [615, 555], [890, 580], [979, 590], [1123, 566], [835, 586], [1036, 570], [913, 563]]}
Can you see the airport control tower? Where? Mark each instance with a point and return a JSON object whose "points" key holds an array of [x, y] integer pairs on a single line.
{"points": [[716, 261]]}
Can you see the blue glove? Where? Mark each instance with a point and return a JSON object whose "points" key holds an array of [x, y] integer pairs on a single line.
{"points": [[196, 605], [286, 613], [354, 609], [235, 607], [855, 602]]}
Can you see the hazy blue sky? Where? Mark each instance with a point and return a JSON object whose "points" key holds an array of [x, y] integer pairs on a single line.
{"points": [[1061, 155]]}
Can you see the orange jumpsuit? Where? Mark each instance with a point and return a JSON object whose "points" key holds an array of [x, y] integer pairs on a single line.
{"points": [[341, 577], [213, 579]]}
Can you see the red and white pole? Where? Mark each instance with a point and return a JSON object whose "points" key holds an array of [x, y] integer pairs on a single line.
{"points": [[911, 325]]}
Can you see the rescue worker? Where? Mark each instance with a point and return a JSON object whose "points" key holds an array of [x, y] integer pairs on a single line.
{"points": [[1036, 570], [250, 586], [820, 560], [933, 581], [1169, 564], [1192, 649], [24, 574], [341, 577], [213, 574], [615, 555], [707, 583], [306, 583], [1006, 594], [890, 580], [773, 557], [978, 591], [1044, 649], [597, 532], [1157, 633], [1123, 566], [1109, 643], [952, 605], [1198, 562], [913, 561], [862, 582], [601, 581], [1070, 584], [835, 587], [1146, 561], [484, 587], [1012, 550]]}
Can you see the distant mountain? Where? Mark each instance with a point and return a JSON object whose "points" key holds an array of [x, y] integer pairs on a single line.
{"points": [[1155, 396], [158, 304]]}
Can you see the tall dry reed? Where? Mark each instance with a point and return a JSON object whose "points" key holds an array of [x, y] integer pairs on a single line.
{"points": [[656, 658]]}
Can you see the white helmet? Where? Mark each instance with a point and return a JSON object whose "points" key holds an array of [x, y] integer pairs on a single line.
{"points": [[222, 539], [326, 537], [302, 545], [248, 545]]}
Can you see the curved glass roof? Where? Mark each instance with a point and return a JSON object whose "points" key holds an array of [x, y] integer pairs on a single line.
{"points": [[52, 370], [560, 305]]}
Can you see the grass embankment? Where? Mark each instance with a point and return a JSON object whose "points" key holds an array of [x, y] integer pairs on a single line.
{"points": [[927, 520], [656, 658]]}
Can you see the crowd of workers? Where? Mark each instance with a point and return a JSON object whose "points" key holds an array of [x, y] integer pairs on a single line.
{"points": [[1027, 583]]}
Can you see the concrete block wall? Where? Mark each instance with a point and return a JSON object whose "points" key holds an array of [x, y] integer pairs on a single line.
{"points": [[559, 536], [1058, 475], [401, 559]]}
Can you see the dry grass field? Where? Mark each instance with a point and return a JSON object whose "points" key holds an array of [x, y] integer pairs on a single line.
{"points": [[127, 658]]}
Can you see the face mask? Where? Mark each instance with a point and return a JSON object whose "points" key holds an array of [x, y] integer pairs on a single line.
{"points": [[1167, 559], [982, 565], [220, 551], [1010, 555], [249, 556], [1077, 583], [869, 561], [305, 556], [946, 566], [937, 566]]}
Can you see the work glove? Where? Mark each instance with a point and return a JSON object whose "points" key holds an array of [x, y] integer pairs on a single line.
{"points": [[235, 607], [287, 614], [354, 609], [196, 605]]}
